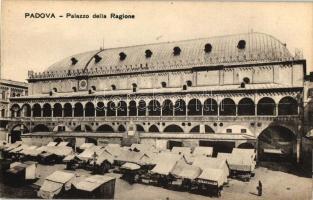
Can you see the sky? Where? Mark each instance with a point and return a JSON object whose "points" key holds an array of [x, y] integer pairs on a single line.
{"points": [[36, 43]]}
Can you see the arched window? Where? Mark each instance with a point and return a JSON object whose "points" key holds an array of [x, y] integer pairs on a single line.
{"points": [[16, 110], [100, 109], [194, 107], [139, 128], [246, 107], [246, 80], [89, 110], [68, 110], [121, 129], [154, 129], [167, 108], [74, 89], [288, 106], [241, 44], [173, 129], [27, 110], [210, 107], [163, 84], [36, 110], [227, 107], [122, 108], [78, 110], [47, 110], [154, 108], [111, 110], [142, 108], [57, 110], [189, 83], [132, 108], [266, 106], [105, 129], [113, 87], [180, 108]]}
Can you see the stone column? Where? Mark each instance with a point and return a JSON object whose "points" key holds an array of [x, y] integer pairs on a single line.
{"points": [[62, 114], [73, 110]]}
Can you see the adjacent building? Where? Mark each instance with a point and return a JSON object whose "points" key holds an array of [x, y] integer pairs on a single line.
{"points": [[8, 89], [242, 90]]}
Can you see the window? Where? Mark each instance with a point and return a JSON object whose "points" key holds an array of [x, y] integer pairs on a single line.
{"points": [[122, 56], [176, 51], [241, 44], [243, 130], [310, 93], [13, 95], [148, 53], [189, 83], [134, 87], [55, 89], [93, 88], [228, 130], [113, 87], [242, 85], [97, 58], [246, 80], [184, 87], [163, 84], [74, 60], [208, 48], [3, 95], [74, 89]]}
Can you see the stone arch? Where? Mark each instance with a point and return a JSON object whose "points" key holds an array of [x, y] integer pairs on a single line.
{"points": [[15, 110], [153, 129], [68, 110], [100, 109], [210, 107], [266, 106], [196, 129], [173, 128], [122, 108], [141, 110], [16, 132], [154, 108], [288, 106], [83, 128], [167, 108], [105, 128], [57, 110], [78, 110], [41, 128], [89, 109], [246, 107], [277, 137], [180, 108], [227, 107], [194, 107], [111, 110], [36, 110], [139, 128], [46, 110], [132, 108], [121, 129], [27, 110]]}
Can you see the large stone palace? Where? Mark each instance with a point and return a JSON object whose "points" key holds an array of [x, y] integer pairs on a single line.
{"points": [[243, 90]]}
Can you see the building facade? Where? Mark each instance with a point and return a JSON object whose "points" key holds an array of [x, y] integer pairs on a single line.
{"points": [[9, 89], [242, 90]]}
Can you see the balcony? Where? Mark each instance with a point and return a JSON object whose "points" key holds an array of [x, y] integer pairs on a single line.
{"points": [[158, 118]]}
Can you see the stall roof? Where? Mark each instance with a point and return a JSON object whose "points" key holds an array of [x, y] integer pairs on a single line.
{"points": [[130, 166], [130, 156], [215, 175], [244, 152], [93, 182], [165, 162], [60, 177], [114, 150], [62, 144], [182, 150], [60, 150], [51, 144], [86, 145], [104, 156], [10, 146], [18, 149], [204, 151], [184, 170], [49, 189], [88, 153], [69, 157]]}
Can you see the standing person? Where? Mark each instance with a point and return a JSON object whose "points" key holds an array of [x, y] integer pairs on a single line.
{"points": [[259, 188]]}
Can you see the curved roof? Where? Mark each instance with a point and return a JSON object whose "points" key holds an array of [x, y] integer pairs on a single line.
{"points": [[259, 47]]}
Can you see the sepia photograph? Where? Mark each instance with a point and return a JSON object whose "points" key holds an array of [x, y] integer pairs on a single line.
{"points": [[156, 100]]}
